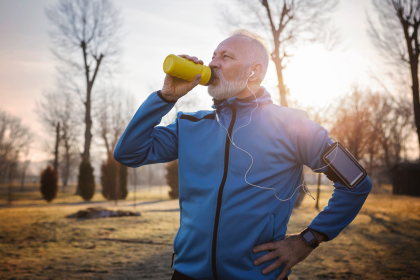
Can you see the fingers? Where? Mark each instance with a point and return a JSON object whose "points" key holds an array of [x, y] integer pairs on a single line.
{"points": [[286, 269], [272, 266], [265, 258], [265, 247], [192, 58]]}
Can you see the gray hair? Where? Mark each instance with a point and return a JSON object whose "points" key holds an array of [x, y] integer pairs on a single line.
{"points": [[259, 52]]}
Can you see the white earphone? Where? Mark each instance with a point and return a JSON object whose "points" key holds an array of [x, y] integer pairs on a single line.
{"points": [[252, 159]]}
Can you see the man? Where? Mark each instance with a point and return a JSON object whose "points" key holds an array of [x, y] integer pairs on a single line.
{"points": [[229, 228]]}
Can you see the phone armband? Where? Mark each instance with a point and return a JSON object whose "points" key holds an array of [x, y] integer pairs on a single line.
{"points": [[343, 166]]}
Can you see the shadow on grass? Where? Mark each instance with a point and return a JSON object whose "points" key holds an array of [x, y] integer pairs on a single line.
{"points": [[157, 267], [78, 203]]}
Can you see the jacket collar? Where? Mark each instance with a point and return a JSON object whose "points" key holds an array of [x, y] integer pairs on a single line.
{"points": [[244, 105]]}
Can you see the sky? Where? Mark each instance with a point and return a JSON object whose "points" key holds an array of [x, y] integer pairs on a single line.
{"points": [[154, 29]]}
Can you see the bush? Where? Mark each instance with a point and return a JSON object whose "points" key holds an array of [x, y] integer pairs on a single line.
{"points": [[172, 178], [49, 183], [123, 181], [109, 171], [86, 180]]}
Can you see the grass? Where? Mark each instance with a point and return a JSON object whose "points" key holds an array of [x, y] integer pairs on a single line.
{"points": [[38, 242]]}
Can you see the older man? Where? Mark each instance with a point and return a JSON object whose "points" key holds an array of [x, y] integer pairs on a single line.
{"points": [[234, 218]]}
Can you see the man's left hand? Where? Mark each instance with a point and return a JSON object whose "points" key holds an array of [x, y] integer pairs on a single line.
{"points": [[289, 251]]}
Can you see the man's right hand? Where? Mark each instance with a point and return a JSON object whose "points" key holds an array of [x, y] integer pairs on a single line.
{"points": [[174, 88]]}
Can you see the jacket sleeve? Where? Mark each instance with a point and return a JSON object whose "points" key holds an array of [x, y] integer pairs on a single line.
{"points": [[344, 205], [145, 143]]}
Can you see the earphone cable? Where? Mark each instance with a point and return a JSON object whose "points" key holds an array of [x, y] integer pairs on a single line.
{"points": [[252, 159]]}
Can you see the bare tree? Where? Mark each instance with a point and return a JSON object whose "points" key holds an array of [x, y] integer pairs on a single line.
{"points": [[14, 138], [24, 166], [375, 128], [187, 103], [49, 114], [69, 134], [394, 128], [85, 38], [351, 124], [322, 117], [114, 111], [57, 112], [397, 38], [285, 24], [379, 108]]}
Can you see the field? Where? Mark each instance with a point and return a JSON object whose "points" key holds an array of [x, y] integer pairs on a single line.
{"points": [[37, 241]]}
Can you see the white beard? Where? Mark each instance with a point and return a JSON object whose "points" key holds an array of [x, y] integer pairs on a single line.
{"points": [[225, 89]]}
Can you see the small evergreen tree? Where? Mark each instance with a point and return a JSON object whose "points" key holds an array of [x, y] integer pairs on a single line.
{"points": [[86, 180], [108, 180], [123, 192], [49, 183], [172, 178], [109, 169]]}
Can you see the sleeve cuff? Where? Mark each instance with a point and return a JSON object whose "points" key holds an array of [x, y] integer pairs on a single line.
{"points": [[163, 98], [325, 237]]}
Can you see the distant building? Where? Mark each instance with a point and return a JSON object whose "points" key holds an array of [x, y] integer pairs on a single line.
{"points": [[406, 179]]}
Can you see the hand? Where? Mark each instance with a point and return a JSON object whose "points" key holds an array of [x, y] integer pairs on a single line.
{"points": [[289, 251], [174, 88]]}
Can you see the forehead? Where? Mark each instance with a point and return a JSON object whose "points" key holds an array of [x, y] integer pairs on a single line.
{"points": [[235, 44]]}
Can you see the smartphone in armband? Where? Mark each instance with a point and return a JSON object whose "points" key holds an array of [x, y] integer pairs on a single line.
{"points": [[344, 165]]}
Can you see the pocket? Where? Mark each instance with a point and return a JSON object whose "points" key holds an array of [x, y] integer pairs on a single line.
{"points": [[266, 237], [272, 226], [176, 239]]}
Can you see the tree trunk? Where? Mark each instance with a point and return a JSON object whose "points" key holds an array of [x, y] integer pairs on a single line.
{"points": [[318, 191], [88, 122], [386, 154], [282, 88], [301, 193], [416, 98], [66, 165], [57, 143], [135, 187], [22, 178], [371, 163]]}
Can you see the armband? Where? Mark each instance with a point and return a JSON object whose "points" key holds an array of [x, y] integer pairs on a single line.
{"points": [[343, 166]]}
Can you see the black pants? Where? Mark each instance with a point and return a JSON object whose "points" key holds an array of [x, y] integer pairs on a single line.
{"points": [[179, 276]]}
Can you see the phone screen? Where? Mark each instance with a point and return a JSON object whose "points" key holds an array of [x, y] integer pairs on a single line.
{"points": [[344, 165]]}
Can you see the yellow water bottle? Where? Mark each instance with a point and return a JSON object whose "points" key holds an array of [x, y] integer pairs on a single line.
{"points": [[186, 69]]}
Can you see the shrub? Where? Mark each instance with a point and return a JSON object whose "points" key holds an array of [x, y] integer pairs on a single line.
{"points": [[109, 170], [108, 181], [123, 192], [86, 180], [49, 183], [172, 178]]}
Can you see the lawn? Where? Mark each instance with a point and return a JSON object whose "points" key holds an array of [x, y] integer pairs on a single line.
{"points": [[37, 241]]}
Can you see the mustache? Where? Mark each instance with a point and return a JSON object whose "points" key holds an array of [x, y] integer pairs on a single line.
{"points": [[217, 73]]}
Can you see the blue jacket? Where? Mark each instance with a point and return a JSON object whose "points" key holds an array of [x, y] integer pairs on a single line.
{"points": [[222, 218]]}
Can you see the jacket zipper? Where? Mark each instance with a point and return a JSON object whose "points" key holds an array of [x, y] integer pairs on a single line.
{"points": [[219, 196]]}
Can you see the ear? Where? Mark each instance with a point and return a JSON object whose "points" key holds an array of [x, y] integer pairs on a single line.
{"points": [[257, 68]]}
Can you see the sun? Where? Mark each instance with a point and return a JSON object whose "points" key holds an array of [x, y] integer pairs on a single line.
{"points": [[315, 76]]}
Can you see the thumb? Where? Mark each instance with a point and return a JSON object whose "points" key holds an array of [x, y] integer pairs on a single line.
{"points": [[196, 80]]}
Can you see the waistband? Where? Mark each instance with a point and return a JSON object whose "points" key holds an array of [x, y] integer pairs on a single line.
{"points": [[179, 276]]}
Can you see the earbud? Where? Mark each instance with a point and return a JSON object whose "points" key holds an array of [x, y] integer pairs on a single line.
{"points": [[252, 73]]}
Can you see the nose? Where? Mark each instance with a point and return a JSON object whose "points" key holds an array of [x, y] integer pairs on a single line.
{"points": [[214, 63]]}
